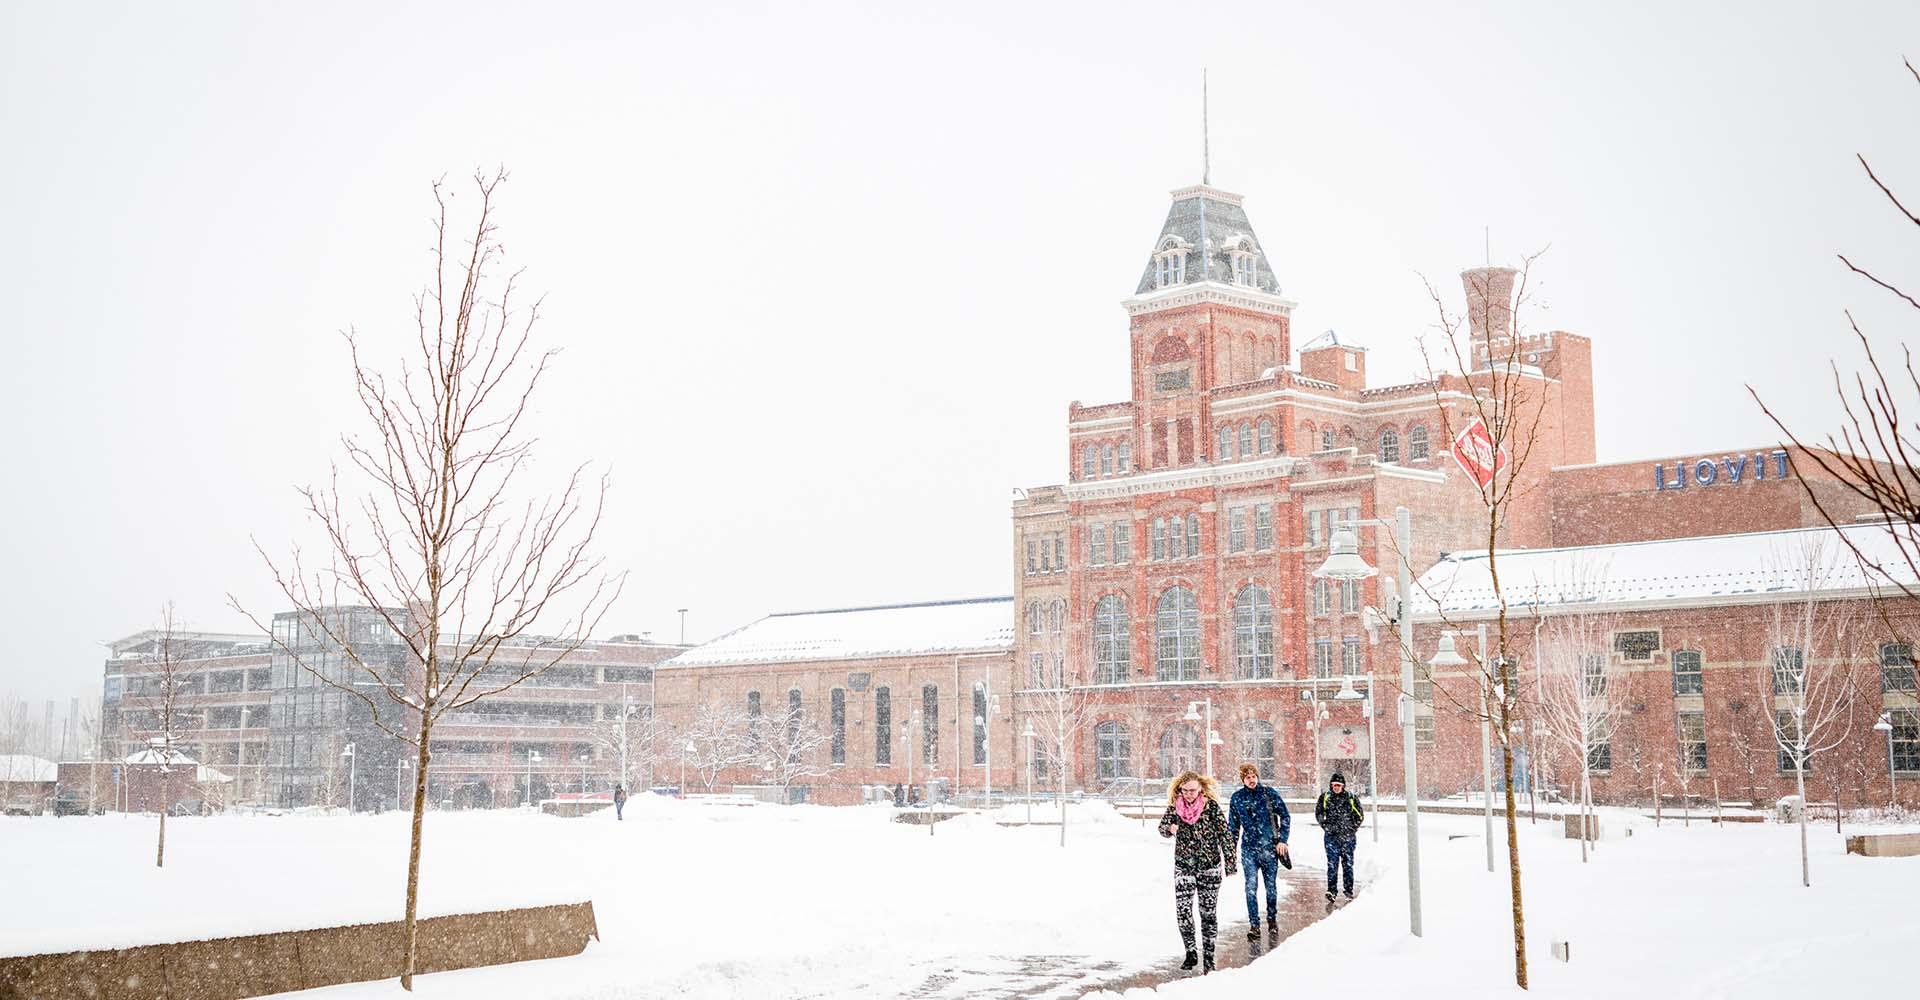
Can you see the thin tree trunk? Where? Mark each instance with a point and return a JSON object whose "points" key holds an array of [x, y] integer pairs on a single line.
{"points": [[1580, 811], [1656, 798], [1513, 856], [160, 852], [1800, 781], [413, 853]]}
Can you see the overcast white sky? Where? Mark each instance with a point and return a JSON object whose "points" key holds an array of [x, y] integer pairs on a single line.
{"points": [[827, 275]]}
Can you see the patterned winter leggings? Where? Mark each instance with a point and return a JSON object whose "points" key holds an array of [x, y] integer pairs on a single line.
{"points": [[1207, 885]]}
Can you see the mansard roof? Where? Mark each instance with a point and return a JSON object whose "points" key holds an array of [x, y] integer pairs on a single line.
{"points": [[1210, 223]]}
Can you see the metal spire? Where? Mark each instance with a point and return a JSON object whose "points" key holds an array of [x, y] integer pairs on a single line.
{"points": [[1206, 142]]}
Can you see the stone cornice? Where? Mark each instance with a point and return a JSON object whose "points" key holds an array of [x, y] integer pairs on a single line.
{"points": [[1195, 477], [1208, 292]]}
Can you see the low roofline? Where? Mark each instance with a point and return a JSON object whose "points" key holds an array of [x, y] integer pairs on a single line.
{"points": [[894, 607]]}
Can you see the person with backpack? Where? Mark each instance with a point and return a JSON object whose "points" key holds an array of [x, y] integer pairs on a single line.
{"points": [[619, 801], [1339, 814], [1200, 851], [1258, 821]]}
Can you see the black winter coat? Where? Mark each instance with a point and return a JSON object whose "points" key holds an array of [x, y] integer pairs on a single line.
{"points": [[1201, 846], [1339, 814]]}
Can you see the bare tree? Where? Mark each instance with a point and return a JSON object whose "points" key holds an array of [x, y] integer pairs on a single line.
{"points": [[720, 738], [628, 737], [1811, 683], [790, 749], [431, 536], [164, 680], [1058, 715], [1481, 354], [1582, 693]]}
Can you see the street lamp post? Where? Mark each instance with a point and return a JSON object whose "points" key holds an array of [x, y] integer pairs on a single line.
{"points": [[1373, 763], [1446, 654], [349, 756], [686, 751], [1344, 563], [1029, 736], [1212, 739], [533, 757], [1885, 725]]}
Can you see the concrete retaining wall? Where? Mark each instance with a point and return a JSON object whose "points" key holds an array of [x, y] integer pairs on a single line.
{"points": [[1885, 845], [259, 964]]}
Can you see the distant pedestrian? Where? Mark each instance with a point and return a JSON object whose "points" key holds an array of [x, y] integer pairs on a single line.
{"points": [[1340, 816], [619, 801], [1201, 851], [1257, 820]]}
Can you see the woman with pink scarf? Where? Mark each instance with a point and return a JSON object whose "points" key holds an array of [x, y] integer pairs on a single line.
{"points": [[1201, 860]]}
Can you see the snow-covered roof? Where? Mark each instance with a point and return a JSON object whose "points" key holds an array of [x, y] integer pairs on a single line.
{"points": [[21, 767], [154, 757], [1709, 569], [983, 623]]}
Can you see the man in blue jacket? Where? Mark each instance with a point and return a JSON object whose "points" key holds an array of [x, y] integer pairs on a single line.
{"points": [[1257, 820]]}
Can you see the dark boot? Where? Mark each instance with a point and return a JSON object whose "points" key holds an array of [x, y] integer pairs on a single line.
{"points": [[1193, 959], [1206, 965], [1253, 932], [1273, 933]]}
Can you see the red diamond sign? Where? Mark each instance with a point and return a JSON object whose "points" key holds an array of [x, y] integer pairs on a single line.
{"points": [[1475, 453]]}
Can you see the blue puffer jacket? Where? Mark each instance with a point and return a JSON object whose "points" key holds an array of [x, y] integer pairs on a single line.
{"points": [[1262, 815]]}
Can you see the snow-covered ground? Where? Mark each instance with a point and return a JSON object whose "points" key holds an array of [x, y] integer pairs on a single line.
{"points": [[769, 902], [1697, 912]]}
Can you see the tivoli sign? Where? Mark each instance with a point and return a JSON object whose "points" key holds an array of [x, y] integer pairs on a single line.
{"points": [[1720, 471]]}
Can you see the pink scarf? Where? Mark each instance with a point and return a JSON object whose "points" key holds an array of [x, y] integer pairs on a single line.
{"points": [[1189, 814]]}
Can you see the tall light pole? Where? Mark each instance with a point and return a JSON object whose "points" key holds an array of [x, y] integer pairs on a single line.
{"points": [[1446, 654], [683, 626], [1029, 736], [1344, 563], [1373, 763], [533, 757], [348, 755], [1885, 725], [1212, 739]]}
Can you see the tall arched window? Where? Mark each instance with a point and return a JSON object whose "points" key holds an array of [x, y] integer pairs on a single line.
{"points": [[1176, 654], [883, 725], [1106, 460], [1112, 751], [1179, 750], [1246, 439], [1033, 617], [1057, 616], [1224, 453], [930, 724], [1266, 436], [1417, 443], [1158, 539], [1253, 633], [1389, 445], [980, 709], [837, 721], [1193, 534], [1112, 641], [1257, 747]]}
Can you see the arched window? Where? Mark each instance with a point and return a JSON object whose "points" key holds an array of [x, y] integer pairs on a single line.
{"points": [[1112, 641], [1224, 453], [1266, 436], [792, 725], [1417, 443], [1246, 439], [1389, 445], [1053, 619], [1106, 460], [1176, 539], [1112, 751], [1257, 745], [1176, 654], [883, 725], [1170, 262], [1033, 617], [1179, 750], [1253, 633], [1193, 535], [980, 709], [1057, 616], [837, 720]]}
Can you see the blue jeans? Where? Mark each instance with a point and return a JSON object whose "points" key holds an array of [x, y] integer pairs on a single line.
{"points": [[1340, 859], [1254, 865]]}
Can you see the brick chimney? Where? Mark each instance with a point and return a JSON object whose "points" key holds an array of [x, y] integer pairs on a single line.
{"points": [[1489, 310]]}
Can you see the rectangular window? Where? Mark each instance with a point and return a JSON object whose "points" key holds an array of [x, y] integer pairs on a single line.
{"points": [[1423, 730], [1787, 739], [1637, 646], [1906, 739], [1687, 673], [1600, 755], [981, 710], [1089, 461], [1263, 526], [1097, 546], [1246, 439], [1593, 674], [1321, 602], [1177, 379], [1193, 534], [1896, 667], [1046, 555], [882, 726], [259, 678], [1323, 657], [1237, 529], [1350, 657], [1159, 539], [1423, 684], [1176, 539], [1125, 457], [1037, 671], [225, 681], [1122, 541], [839, 722], [1789, 667], [1106, 460], [1033, 556], [1693, 740], [1314, 520], [1060, 552], [1349, 597]]}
